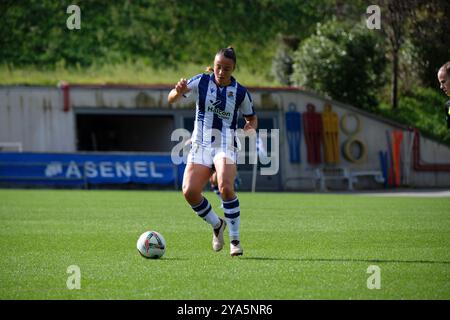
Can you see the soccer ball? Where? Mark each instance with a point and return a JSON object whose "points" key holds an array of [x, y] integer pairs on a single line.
{"points": [[151, 244]]}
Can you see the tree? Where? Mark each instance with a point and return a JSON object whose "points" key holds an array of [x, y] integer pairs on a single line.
{"points": [[282, 63], [430, 37], [394, 17]]}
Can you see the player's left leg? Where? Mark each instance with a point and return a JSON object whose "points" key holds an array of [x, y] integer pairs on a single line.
{"points": [[215, 186], [225, 164]]}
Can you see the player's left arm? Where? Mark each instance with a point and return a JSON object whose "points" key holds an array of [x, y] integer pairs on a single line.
{"points": [[251, 124], [251, 120]]}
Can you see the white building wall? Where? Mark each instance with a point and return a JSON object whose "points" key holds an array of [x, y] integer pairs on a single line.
{"points": [[34, 116]]}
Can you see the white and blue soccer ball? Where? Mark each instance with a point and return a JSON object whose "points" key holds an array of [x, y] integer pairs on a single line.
{"points": [[151, 245]]}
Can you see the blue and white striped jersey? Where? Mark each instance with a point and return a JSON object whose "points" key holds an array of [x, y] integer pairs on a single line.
{"points": [[217, 110]]}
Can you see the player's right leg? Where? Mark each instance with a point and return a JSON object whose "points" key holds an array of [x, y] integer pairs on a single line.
{"points": [[215, 187], [195, 178]]}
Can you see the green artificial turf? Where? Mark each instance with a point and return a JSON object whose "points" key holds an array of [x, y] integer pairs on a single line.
{"points": [[296, 246]]}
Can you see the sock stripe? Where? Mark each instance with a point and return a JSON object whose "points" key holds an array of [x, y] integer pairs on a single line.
{"points": [[231, 204], [201, 206], [232, 215], [205, 213], [230, 211]]}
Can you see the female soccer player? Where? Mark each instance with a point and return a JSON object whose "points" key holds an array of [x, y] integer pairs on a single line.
{"points": [[219, 99]]}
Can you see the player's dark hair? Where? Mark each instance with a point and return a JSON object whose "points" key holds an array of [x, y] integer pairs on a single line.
{"points": [[446, 67], [228, 53]]}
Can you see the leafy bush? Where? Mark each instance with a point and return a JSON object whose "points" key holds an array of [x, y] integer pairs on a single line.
{"points": [[344, 62], [423, 109]]}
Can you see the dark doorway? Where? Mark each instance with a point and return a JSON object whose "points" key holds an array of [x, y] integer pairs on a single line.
{"points": [[119, 132]]}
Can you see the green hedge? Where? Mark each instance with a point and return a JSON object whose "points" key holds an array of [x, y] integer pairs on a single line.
{"points": [[424, 109], [163, 32], [343, 61]]}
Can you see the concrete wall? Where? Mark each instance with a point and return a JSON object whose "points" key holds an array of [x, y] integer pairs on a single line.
{"points": [[35, 117], [432, 153], [373, 135]]}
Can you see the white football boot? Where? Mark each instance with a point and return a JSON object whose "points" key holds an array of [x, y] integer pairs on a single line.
{"points": [[218, 241], [235, 248]]}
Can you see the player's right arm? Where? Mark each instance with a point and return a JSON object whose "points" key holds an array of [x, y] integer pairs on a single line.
{"points": [[180, 89]]}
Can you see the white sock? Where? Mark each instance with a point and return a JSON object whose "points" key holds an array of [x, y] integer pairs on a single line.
{"points": [[233, 216], [205, 211]]}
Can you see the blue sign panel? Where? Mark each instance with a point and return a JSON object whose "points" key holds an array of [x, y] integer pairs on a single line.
{"points": [[79, 169]]}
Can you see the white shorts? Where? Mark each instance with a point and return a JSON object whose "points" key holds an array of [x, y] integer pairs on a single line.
{"points": [[207, 155]]}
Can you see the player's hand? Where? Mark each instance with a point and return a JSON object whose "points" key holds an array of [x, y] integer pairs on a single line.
{"points": [[181, 86], [249, 130]]}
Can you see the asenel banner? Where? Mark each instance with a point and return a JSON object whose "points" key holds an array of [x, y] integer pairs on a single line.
{"points": [[81, 169]]}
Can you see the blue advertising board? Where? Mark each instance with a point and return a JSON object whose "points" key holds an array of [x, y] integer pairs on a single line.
{"points": [[81, 169]]}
